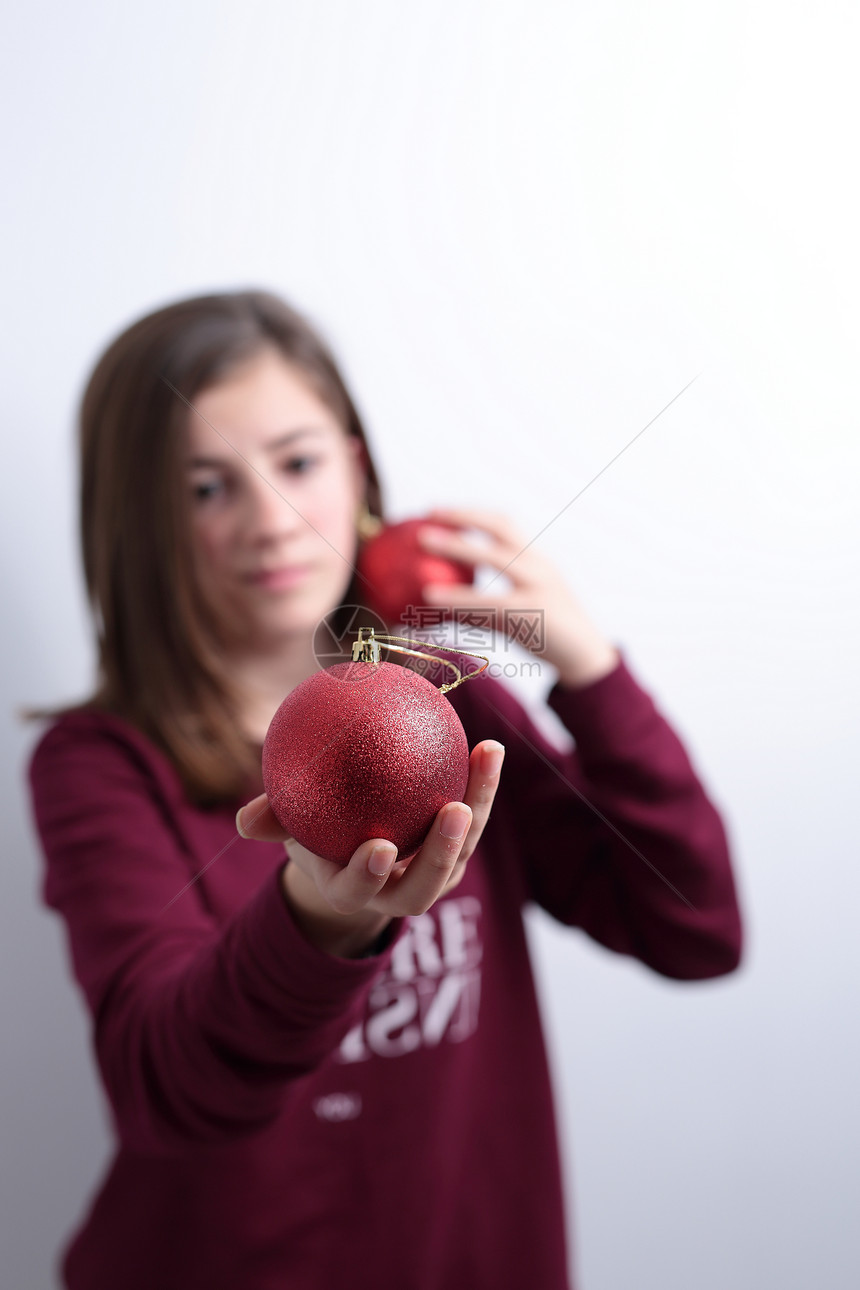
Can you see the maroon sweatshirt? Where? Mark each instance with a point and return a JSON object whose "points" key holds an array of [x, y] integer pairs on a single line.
{"points": [[288, 1120]]}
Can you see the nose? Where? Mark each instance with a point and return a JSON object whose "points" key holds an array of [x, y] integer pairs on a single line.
{"points": [[268, 515]]}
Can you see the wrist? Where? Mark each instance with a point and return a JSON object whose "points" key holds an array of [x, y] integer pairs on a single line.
{"points": [[577, 648], [585, 666], [347, 936]]}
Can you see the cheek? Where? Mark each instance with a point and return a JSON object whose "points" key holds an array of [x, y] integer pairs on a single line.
{"points": [[210, 542], [335, 513]]}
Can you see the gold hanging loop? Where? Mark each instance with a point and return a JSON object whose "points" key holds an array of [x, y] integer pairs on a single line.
{"points": [[366, 650]]}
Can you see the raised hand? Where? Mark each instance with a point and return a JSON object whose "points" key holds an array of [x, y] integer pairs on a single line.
{"points": [[570, 642]]}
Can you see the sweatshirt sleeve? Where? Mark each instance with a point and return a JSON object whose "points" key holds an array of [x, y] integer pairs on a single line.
{"points": [[618, 835], [198, 1026]]}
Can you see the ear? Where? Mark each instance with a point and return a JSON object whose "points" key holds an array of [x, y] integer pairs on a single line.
{"points": [[358, 465]]}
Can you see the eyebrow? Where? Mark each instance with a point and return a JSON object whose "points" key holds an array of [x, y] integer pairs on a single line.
{"points": [[274, 445]]}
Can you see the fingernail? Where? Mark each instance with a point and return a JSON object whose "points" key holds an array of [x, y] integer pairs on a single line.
{"points": [[380, 860], [455, 823], [492, 756], [239, 829]]}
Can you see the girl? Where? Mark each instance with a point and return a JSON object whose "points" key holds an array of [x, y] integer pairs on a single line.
{"points": [[318, 1076]]}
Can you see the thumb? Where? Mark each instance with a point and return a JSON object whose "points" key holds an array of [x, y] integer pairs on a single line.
{"points": [[257, 820]]}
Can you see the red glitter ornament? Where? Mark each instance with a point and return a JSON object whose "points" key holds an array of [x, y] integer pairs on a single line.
{"points": [[397, 567], [363, 750]]}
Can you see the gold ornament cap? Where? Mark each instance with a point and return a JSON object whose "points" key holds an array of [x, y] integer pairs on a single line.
{"points": [[366, 650]]}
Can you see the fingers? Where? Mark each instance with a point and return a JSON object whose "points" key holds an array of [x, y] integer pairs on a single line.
{"points": [[441, 863], [414, 889], [498, 526], [468, 550], [348, 889], [485, 768], [507, 552], [374, 878], [256, 820], [460, 596]]}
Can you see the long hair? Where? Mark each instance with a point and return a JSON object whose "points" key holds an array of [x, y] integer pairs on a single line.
{"points": [[159, 665]]}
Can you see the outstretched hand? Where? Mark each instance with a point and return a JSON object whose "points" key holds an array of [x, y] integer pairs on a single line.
{"points": [[345, 909]]}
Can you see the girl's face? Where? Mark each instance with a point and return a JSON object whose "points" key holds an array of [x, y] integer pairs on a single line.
{"points": [[274, 485]]}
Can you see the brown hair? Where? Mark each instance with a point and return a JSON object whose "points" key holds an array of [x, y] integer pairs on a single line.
{"points": [[159, 665]]}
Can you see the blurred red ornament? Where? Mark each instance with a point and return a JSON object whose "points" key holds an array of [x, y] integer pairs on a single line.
{"points": [[363, 750], [397, 567]]}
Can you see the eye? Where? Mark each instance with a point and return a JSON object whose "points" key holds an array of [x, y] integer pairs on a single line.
{"points": [[206, 490], [300, 465]]}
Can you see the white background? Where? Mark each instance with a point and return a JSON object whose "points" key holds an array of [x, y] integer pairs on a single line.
{"points": [[525, 227]]}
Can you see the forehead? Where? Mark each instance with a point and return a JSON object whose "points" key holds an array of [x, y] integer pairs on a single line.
{"points": [[258, 402]]}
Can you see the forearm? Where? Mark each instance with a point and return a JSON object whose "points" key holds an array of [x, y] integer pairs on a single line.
{"points": [[200, 1022], [575, 647], [609, 833], [661, 884], [205, 1050]]}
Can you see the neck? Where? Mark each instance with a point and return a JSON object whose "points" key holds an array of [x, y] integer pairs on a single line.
{"points": [[265, 680]]}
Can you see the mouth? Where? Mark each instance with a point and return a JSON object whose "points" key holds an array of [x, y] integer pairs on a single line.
{"points": [[278, 579]]}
